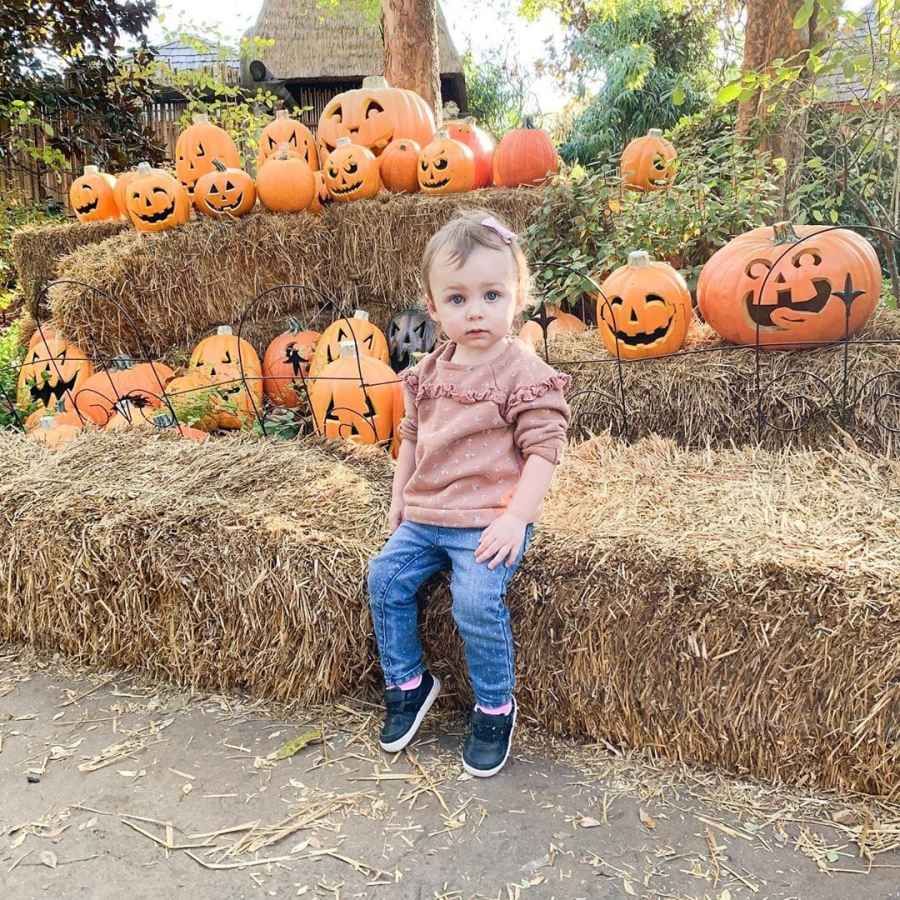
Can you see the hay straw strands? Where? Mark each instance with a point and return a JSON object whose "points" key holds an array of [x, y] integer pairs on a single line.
{"points": [[138, 740]]}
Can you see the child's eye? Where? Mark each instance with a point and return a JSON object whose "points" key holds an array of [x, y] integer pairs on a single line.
{"points": [[491, 296], [457, 299]]}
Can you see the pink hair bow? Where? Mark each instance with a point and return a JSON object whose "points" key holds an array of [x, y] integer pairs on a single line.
{"points": [[504, 234]]}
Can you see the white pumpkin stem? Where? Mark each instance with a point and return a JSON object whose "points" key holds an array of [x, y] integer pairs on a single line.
{"points": [[281, 114], [200, 118], [654, 132], [441, 135], [46, 422], [639, 259], [92, 170], [361, 314], [375, 82], [224, 331], [143, 168], [294, 326]]}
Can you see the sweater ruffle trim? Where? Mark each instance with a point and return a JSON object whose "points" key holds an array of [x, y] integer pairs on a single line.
{"points": [[523, 394]]}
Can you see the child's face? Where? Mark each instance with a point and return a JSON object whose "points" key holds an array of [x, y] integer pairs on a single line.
{"points": [[476, 302]]}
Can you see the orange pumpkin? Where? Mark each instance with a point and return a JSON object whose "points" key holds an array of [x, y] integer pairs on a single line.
{"points": [[399, 166], [42, 331], [53, 370], [285, 183], [446, 166], [128, 414], [647, 162], [285, 130], [369, 339], [224, 193], [647, 309], [373, 116], [351, 172], [482, 145], [285, 365], [92, 196], [237, 398], [193, 398], [142, 383], [120, 191], [563, 323], [156, 201], [525, 156], [53, 432], [196, 148], [321, 197], [60, 415], [357, 409], [224, 348], [798, 302]]}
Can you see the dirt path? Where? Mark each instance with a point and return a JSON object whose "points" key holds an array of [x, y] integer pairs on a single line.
{"points": [[92, 768]]}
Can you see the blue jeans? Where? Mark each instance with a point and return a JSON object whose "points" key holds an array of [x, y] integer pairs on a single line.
{"points": [[414, 553]]}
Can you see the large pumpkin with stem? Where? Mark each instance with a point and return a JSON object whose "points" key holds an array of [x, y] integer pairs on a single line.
{"points": [[525, 156], [399, 166], [92, 196], [787, 286], [285, 365], [446, 166], [646, 311], [291, 132], [482, 145], [373, 116], [143, 383], [224, 193], [648, 163], [368, 337], [196, 148], [52, 372], [351, 172], [285, 183], [225, 348], [156, 201]]}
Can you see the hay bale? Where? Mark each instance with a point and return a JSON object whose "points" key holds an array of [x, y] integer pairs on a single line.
{"points": [[36, 251], [176, 286], [707, 395]]}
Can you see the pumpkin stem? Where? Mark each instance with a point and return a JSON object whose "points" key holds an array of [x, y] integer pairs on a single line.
{"points": [[219, 165], [294, 326], [200, 118], [528, 121], [375, 82], [639, 259], [143, 168], [361, 314], [282, 114], [783, 233], [121, 363], [654, 132], [224, 330], [441, 135], [46, 422], [91, 170]]}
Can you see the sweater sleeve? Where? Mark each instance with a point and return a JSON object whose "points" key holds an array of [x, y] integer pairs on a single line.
{"points": [[409, 424], [540, 416]]}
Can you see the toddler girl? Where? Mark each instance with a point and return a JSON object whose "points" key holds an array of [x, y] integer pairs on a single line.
{"points": [[485, 426]]}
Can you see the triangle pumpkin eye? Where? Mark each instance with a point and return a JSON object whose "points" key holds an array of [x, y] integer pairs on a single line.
{"points": [[229, 186]]}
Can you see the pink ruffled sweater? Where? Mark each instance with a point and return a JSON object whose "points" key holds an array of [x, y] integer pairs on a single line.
{"points": [[474, 427]]}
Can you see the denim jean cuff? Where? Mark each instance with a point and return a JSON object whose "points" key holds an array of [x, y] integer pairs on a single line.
{"points": [[412, 673], [494, 701]]}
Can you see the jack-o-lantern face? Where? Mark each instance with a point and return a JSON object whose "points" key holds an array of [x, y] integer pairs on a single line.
{"points": [[197, 146], [53, 370], [368, 338], [648, 163], [285, 130], [351, 172], [224, 193], [156, 201], [772, 285], [373, 116], [411, 331], [286, 365], [239, 397], [446, 166], [224, 348], [647, 309], [92, 196]]}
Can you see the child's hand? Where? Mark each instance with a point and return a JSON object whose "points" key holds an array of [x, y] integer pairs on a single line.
{"points": [[395, 516], [501, 541]]}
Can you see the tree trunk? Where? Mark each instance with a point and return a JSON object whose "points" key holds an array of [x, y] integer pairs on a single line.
{"points": [[411, 49]]}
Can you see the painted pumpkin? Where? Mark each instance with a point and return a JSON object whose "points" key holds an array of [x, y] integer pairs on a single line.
{"points": [[369, 339], [92, 196], [285, 183], [120, 191], [321, 198], [563, 323], [60, 415], [373, 116], [53, 370], [343, 408], [647, 162], [196, 148], [482, 145], [156, 201], [647, 309], [52, 432], [225, 348], [285, 130], [224, 193], [193, 397], [771, 286], [525, 156], [399, 166], [446, 166], [285, 365], [351, 172], [128, 414], [238, 398], [410, 331], [124, 380]]}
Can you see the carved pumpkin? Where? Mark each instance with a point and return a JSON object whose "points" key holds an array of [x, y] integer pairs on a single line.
{"points": [[399, 166], [410, 331], [196, 148], [647, 310], [224, 193], [156, 201], [92, 196], [193, 397], [120, 191], [343, 408], [124, 380], [351, 172], [369, 338], [53, 370], [286, 363], [373, 116], [285, 183], [53, 431], [224, 348], [446, 166], [321, 197], [525, 156], [647, 162], [237, 399], [482, 145], [799, 302], [285, 130]]}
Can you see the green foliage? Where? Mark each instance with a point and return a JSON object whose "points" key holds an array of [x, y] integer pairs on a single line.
{"points": [[14, 215], [10, 360], [496, 91]]}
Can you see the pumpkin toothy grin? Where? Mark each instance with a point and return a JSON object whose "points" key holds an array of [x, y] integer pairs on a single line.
{"points": [[436, 184], [160, 216], [643, 338], [88, 208], [57, 391], [761, 314], [347, 190], [227, 207]]}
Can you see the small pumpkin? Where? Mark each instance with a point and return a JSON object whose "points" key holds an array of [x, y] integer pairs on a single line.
{"points": [[54, 432], [563, 323], [60, 414], [647, 309], [52, 372], [368, 337], [647, 163], [193, 397], [224, 348], [285, 183], [285, 365], [446, 166], [351, 172], [525, 156], [130, 413], [196, 148], [224, 193], [92, 196], [143, 383], [482, 145], [399, 166], [156, 201], [410, 331], [321, 197], [285, 130], [238, 398]]}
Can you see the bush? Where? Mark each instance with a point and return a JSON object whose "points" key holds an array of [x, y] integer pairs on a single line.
{"points": [[10, 359]]}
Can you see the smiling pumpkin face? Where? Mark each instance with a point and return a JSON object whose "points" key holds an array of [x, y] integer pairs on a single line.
{"points": [[52, 372], [224, 193], [156, 201], [351, 172], [197, 146], [92, 196], [446, 166], [285, 130]]}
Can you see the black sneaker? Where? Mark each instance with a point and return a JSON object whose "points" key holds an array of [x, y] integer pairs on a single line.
{"points": [[404, 711], [487, 746]]}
